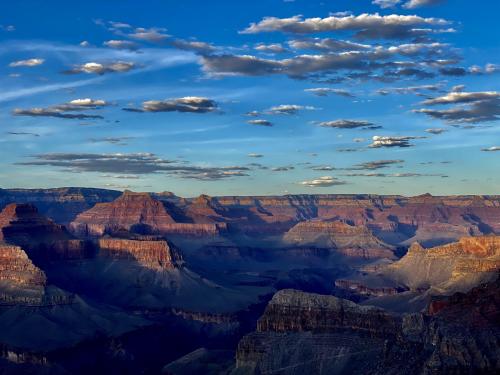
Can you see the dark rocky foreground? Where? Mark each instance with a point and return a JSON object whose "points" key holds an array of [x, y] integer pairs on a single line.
{"points": [[95, 281]]}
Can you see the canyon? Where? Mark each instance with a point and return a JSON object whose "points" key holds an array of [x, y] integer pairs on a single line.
{"points": [[247, 285]]}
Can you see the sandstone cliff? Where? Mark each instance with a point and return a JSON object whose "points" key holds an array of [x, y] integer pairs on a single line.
{"points": [[156, 255], [136, 212], [463, 263], [350, 240]]}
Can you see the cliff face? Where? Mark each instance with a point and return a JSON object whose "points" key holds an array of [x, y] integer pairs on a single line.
{"points": [[457, 262], [156, 255], [350, 240], [136, 212], [294, 311], [308, 333], [20, 223], [17, 268]]}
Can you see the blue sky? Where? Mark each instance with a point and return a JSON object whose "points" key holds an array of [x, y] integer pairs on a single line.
{"points": [[389, 97]]}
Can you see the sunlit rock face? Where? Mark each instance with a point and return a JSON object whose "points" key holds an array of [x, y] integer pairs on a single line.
{"points": [[138, 213], [463, 263], [350, 240], [156, 255], [131, 211]]}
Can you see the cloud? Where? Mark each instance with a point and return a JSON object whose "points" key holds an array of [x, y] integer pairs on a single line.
{"points": [[288, 109], [435, 130], [283, 169], [61, 110], [454, 71], [456, 97], [120, 141], [98, 68], [29, 62], [324, 91], [384, 4], [373, 26], [376, 164], [133, 164], [467, 107], [24, 133], [270, 48], [121, 44], [345, 124], [8, 28], [323, 168], [254, 155], [325, 181], [412, 4], [327, 44], [260, 122], [409, 90], [194, 104], [407, 174], [492, 148], [366, 62], [390, 141], [192, 45], [153, 35]]}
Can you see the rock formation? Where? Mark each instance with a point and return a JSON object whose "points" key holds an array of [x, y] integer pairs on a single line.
{"points": [[156, 255], [350, 240], [309, 333], [136, 212], [17, 268], [465, 262]]}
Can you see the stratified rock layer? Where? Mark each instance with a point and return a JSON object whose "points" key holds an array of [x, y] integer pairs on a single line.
{"points": [[308, 333], [17, 268], [136, 212], [156, 255], [468, 258], [350, 240]]}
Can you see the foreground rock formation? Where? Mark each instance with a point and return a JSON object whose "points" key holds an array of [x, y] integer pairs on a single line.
{"points": [[309, 333]]}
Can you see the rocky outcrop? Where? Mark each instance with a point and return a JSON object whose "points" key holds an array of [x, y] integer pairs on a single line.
{"points": [[156, 255], [22, 225], [135, 212], [469, 259], [308, 333], [349, 240], [138, 213], [16, 268], [293, 311]]}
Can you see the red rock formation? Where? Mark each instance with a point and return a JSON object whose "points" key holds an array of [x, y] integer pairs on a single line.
{"points": [[137, 212], [17, 268], [350, 240], [131, 212], [156, 255], [22, 225], [467, 259]]}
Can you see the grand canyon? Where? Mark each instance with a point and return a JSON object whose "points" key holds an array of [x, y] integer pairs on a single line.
{"points": [[265, 187], [98, 280]]}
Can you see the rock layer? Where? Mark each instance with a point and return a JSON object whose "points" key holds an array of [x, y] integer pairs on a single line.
{"points": [[350, 240], [156, 255]]}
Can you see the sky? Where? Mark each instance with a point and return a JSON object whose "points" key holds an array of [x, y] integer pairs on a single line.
{"points": [[251, 97]]}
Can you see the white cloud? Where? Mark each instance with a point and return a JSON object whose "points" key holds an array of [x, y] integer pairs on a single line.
{"points": [[28, 62]]}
